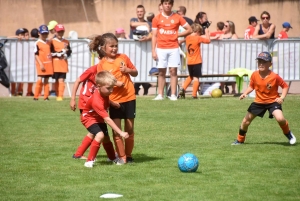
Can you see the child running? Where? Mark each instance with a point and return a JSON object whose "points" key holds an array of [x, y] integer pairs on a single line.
{"points": [[94, 115], [61, 50], [265, 83], [43, 62], [122, 99], [194, 58]]}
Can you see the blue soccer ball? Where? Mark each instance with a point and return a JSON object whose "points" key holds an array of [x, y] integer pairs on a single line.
{"points": [[188, 163]]}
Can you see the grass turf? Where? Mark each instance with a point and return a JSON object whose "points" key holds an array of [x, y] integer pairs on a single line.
{"points": [[38, 139]]}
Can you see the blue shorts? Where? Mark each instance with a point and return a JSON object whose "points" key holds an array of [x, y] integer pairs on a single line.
{"points": [[259, 109], [126, 111]]}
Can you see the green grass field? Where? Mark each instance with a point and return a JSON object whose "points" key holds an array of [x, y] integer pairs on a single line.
{"points": [[38, 139]]}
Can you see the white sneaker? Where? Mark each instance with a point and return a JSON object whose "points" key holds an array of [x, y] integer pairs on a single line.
{"points": [[293, 139], [173, 98], [158, 97], [117, 157], [89, 164]]}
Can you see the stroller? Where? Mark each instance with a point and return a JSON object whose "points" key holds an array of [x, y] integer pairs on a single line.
{"points": [[3, 64]]}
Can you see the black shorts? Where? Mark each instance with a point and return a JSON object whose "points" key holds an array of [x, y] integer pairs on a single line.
{"points": [[98, 127], [126, 111], [57, 76], [45, 76], [195, 70], [260, 109]]}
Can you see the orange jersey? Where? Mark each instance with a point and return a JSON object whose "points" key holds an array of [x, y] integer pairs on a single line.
{"points": [[167, 30], [127, 92], [249, 32], [282, 35], [42, 49], [60, 64], [266, 88], [193, 49]]}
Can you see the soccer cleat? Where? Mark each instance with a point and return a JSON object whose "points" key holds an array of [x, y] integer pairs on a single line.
{"points": [[236, 142], [79, 157], [59, 99], [20, 94], [130, 160], [181, 93], [173, 98], [30, 94], [117, 157], [291, 137], [46, 99], [194, 97], [35, 99], [89, 164], [158, 97], [119, 161]]}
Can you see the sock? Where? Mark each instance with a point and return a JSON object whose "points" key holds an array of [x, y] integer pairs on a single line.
{"points": [[129, 144], [38, 88], [242, 135], [13, 88], [119, 144], [195, 88], [285, 128], [61, 89], [56, 88], [187, 82], [109, 149], [86, 142], [29, 88], [46, 90], [20, 88], [95, 146]]}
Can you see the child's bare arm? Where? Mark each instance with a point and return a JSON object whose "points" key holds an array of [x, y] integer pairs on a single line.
{"points": [[112, 124], [248, 90], [40, 63], [73, 96]]}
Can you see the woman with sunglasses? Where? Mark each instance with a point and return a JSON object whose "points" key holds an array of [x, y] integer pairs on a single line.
{"points": [[266, 30], [229, 31]]}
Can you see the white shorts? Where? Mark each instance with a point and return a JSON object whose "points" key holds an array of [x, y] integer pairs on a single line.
{"points": [[168, 58]]}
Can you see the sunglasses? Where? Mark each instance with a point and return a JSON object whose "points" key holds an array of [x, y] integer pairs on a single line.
{"points": [[225, 25], [265, 18]]}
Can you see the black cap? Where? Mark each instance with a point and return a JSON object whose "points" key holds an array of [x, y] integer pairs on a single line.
{"points": [[252, 19]]}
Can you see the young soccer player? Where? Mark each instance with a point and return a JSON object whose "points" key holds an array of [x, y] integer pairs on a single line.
{"points": [[94, 115], [194, 58], [61, 50], [43, 62], [265, 83], [123, 100]]}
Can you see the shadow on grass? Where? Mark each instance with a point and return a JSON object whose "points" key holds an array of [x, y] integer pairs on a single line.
{"points": [[275, 143], [138, 158]]}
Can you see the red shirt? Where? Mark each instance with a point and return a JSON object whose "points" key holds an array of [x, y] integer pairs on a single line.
{"points": [[95, 110], [266, 88], [167, 30], [282, 35], [88, 85], [249, 32], [215, 33]]}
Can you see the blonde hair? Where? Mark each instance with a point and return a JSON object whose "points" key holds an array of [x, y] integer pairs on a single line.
{"points": [[231, 26], [197, 28], [104, 78]]}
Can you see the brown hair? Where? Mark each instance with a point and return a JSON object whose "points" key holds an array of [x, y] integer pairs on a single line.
{"points": [[99, 41], [265, 13], [220, 25], [182, 9], [170, 1], [104, 77]]}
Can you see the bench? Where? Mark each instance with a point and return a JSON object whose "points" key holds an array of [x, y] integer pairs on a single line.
{"points": [[207, 75]]}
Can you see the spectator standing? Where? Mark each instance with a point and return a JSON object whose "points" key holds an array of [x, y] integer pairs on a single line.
{"points": [[266, 30], [251, 28], [286, 27], [44, 67], [60, 50], [182, 11], [136, 23], [120, 34], [165, 47]]}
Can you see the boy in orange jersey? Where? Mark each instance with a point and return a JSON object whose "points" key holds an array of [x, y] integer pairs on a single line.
{"points": [[94, 115], [165, 47], [265, 83], [194, 58], [283, 34], [122, 99], [43, 61], [61, 50]]}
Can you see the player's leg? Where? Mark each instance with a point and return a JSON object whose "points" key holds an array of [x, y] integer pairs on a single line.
{"points": [[284, 125], [85, 144], [119, 143], [46, 88], [174, 63], [244, 128], [173, 82], [162, 70], [61, 88], [20, 89], [196, 85], [38, 88], [196, 72], [29, 89], [107, 144]]}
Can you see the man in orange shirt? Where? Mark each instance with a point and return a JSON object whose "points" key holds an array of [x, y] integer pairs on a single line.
{"points": [[251, 28], [286, 27], [265, 83], [165, 47]]}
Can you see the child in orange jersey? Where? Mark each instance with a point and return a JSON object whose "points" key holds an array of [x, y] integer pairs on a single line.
{"points": [[265, 83], [194, 59], [61, 50], [123, 100], [43, 62], [94, 115]]}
